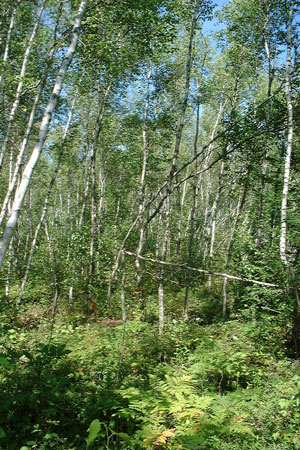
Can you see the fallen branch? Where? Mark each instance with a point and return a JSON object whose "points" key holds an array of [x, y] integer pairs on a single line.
{"points": [[207, 272], [270, 309]]}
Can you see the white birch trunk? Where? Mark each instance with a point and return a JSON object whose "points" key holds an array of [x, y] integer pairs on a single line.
{"points": [[186, 90], [123, 303], [6, 49], [264, 172], [85, 194], [164, 248], [45, 207], [213, 226], [30, 166], [142, 183], [193, 209], [100, 115], [287, 166], [176, 149], [22, 149], [20, 84], [56, 280], [7, 283], [239, 209]]}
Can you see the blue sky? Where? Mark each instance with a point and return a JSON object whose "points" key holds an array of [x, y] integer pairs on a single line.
{"points": [[212, 25]]}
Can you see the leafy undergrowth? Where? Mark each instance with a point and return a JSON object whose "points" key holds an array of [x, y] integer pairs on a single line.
{"points": [[197, 387]]}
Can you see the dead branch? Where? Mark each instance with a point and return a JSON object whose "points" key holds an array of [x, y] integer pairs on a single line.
{"points": [[207, 272]]}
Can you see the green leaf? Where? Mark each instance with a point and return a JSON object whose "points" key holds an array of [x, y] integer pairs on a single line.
{"points": [[124, 437], [24, 447], [93, 431], [283, 403], [2, 433], [275, 436], [5, 362]]}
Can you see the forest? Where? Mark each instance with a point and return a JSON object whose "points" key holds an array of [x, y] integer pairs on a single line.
{"points": [[149, 224]]}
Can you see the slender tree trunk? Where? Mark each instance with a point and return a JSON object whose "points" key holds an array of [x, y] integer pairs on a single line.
{"points": [[7, 283], [158, 238], [85, 194], [287, 167], [13, 180], [213, 226], [45, 207], [30, 166], [193, 209], [205, 200], [56, 275], [142, 184], [101, 191], [240, 206], [174, 162], [20, 84], [178, 207], [164, 248], [186, 90], [123, 303], [100, 115], [9, 32], [179, 131], [266, 155], [23, 146]]}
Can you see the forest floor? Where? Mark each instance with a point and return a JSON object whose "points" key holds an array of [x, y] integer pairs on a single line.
{"points": [[72, 385]]}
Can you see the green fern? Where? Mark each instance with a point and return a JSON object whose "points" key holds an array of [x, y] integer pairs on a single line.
{"points": [[172, 413]]}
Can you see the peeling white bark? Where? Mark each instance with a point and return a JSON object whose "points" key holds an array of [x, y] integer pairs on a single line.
{"points": [[287, 166], [20, 84], [30, 166], [6, 50], [45, 207]]}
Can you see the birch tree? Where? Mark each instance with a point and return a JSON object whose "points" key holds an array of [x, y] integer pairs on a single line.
{"points": [[30, 166], [287, 166], [21, 82]]}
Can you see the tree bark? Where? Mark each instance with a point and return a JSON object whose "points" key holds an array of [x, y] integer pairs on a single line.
{"points": [[99, 120], [13, 181], [30, 166], [123, 303], [56, 275], [264, 172], [161, 285], [193, 209], [45, 207], [240, 206], [6, 49], [20, 84], [213, 225], [142, 184], [287, 166]]}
